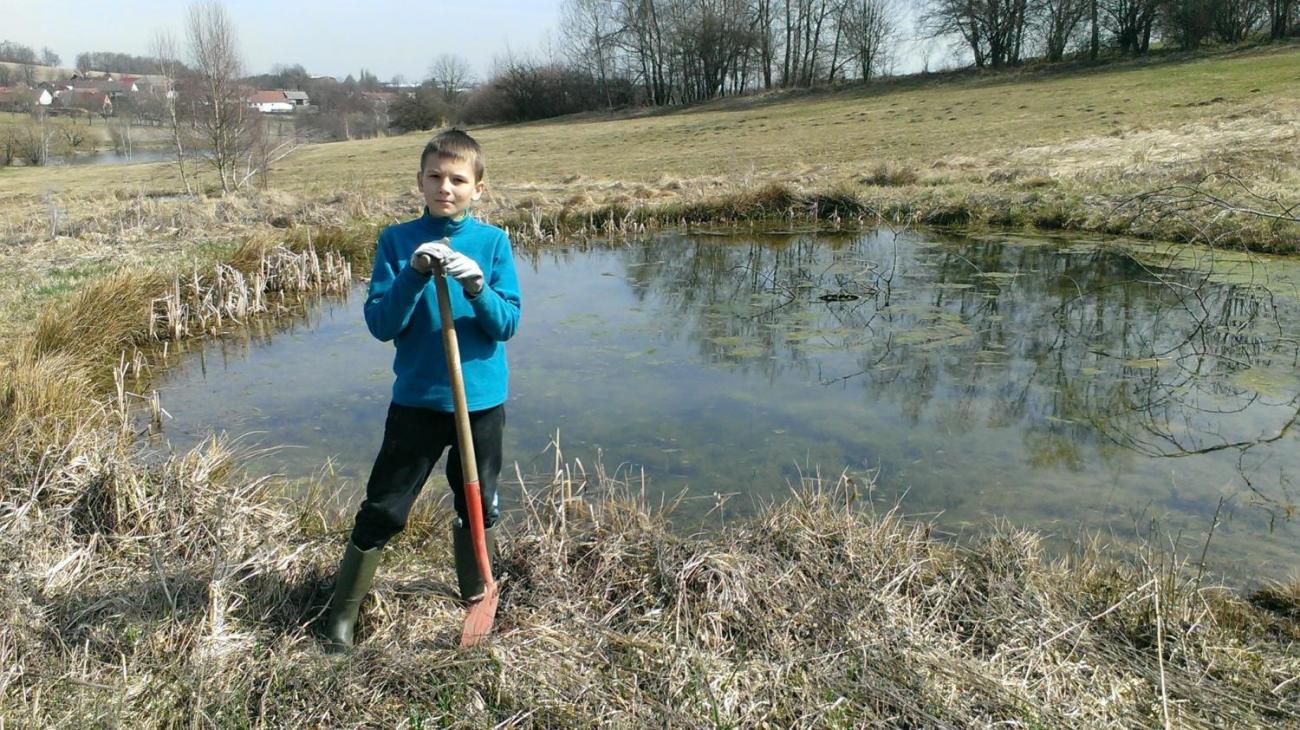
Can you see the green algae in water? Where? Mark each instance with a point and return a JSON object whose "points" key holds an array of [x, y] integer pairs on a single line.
{"points": [[1145, 362], [1274, 382]]}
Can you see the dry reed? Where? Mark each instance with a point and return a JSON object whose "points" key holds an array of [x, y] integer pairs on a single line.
{"points": [[184, 593]]}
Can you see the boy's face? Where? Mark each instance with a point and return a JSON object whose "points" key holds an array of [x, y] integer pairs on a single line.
{"points": [[448, 185]]}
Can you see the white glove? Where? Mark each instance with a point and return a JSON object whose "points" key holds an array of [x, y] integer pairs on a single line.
{"points": [[427, 254], [464, 270]]}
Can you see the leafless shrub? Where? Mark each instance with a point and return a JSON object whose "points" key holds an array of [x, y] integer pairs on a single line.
{"points": [[1216, 208]]}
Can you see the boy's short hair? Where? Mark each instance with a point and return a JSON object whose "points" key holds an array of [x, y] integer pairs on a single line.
{"points": [[456, 144]]}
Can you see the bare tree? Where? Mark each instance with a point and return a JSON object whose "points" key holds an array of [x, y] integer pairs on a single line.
{"points": [[1132, 22], [993, 30], [1279, 18], [872, 34], [1188, 22], [708, 40], [1059, 20], [807, 22], [1235, 20], [223, 116], [1094, 36], [589, 38], [164, 50], [49, 57], [452, 75], [765, 34], [644, 39]]}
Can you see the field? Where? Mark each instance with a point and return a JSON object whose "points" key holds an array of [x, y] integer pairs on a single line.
{"points": [[1096, 124], [1034, 148], [145, 591]]}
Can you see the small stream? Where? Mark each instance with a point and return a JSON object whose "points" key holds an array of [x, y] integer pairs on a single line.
{"points": [[1063, 385]]}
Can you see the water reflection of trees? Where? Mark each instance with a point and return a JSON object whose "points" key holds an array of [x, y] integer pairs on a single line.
{"points": [[1081, 346]]}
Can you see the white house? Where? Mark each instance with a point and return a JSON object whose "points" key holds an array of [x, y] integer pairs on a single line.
{"points": [[271, 102]]}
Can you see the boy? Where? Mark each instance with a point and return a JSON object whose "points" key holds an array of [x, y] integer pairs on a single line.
{"points": [[402, 306]]}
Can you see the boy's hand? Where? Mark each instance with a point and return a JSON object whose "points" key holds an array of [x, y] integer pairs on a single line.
{"points": [[428, 254], [464, 270]]}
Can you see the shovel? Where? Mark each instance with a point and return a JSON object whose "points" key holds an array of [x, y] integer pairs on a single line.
{"points": [[482, 613]]}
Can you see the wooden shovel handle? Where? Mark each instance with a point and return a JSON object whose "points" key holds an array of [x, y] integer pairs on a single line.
{"points": [[468, 464]]}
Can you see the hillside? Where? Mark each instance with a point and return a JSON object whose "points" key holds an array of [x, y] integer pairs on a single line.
{"points": [[1096, 121], [1051, 149], [59, 73]]}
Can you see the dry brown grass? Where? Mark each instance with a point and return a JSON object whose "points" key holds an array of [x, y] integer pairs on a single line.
{"points": [[889, 174], [147, 593], [101, 319], [156, 596], [140, 591], [1101, 135]]}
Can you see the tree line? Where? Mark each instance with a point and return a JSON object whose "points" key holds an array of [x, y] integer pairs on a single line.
{"points": [[122, 63], [18, 53], [619, 53], [664, 52]]}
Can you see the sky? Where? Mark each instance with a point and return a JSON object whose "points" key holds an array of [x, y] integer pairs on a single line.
{"points": [[330, 37]]}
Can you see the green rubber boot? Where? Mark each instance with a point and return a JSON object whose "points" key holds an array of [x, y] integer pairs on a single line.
{"points": [[462, 547], [356, 571]]}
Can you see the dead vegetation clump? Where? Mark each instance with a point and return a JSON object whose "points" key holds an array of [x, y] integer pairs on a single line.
{"points": [[890, 174], [91, 343], [155, 595]]}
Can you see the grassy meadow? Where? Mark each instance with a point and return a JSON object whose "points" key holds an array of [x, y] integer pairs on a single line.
{"points": [[1042, 148], [157, 591]]}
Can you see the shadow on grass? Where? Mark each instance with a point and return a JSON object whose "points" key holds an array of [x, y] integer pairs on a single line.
{"points": [[111, 621]]}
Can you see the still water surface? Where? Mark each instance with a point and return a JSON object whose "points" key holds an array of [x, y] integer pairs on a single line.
{"points": [[110, 157], [1063, 385]]}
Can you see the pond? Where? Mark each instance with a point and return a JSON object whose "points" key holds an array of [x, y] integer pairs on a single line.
{"points": [[1063, 385], [110, 157]]}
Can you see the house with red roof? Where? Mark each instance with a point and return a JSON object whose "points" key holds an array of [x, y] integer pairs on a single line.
{"points": [[271, 102], [114, 89], [89, 100]]}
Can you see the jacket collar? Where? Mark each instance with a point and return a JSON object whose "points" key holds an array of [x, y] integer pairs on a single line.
{"points": [[440, 227]]}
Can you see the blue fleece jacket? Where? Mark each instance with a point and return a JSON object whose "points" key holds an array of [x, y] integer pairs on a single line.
{"points": [[403, 307]]}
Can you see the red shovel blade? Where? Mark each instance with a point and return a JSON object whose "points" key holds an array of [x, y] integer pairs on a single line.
{"points": [[482, 614]]}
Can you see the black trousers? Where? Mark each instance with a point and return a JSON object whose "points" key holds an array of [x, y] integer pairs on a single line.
{"points": [[414, 439]]}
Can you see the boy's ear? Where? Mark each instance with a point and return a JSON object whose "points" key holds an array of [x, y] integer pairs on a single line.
{"points": [[419, 179], [478, 190]]}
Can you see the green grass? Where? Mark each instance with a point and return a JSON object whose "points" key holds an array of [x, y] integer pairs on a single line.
{"points": [[61, 281]]}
